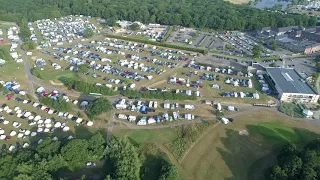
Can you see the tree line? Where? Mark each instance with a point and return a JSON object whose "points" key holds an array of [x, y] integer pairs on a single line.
{"points": [[294, 164], [213, 14], [202, 51], [157, 95], [87, 88], [51, 159]]}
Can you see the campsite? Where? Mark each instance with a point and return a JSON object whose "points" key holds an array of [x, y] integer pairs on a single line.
{"points": [[74, 76]]}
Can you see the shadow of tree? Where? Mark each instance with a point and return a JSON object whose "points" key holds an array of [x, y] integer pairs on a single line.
{"points": [[247, 157]]}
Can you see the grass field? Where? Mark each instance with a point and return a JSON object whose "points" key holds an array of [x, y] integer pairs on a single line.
{"points": [[221, 153]]}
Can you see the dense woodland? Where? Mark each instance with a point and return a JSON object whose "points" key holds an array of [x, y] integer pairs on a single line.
{"points": [[214, 14], [51, 159], [294, 164]]}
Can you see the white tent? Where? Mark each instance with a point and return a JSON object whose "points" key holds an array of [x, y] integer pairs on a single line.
{"points": [[79, 120], [11, 148], [13, 133], [2, 137], [90, 123], [47, 121], [19, 115], [20, 135], [66, 129], [60, 113], [48, 125], [33, 133], [307, 113], [40, 121], [6, 108], [25, 145], [9, 111], [35, 104], [27, 114], [5, 122], [31, 117], [39, 130], [70, 116], [37, 118], [46, 130], [1, 109], [16, 108], [27, 133], [1, 131], [19, 111], [50, 111], [58, 124]]}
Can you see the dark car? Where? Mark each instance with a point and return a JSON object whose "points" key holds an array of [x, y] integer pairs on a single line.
{"points": [[4, 147]]}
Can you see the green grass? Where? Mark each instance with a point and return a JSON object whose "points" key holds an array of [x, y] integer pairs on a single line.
{"points": [[278, 134], [148, 136], [51, 74]]}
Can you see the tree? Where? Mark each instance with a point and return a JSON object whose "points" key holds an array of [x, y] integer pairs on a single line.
{"points": [[168, 172], [135, 27], [276, 173], [256, 51], [29, 45], [96, 146], [88, 32], [75, 152], [124, 159], [98, 107], [48, 147]]}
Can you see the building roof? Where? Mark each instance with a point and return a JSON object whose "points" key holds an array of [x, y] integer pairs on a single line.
{"points": [[289, 81]]}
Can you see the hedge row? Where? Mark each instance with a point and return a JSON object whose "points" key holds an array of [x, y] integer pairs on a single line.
{"points": [[159, 44], [87, 88], [172, 28], [157, 95]]}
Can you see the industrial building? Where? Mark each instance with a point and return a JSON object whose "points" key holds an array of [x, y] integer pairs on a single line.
{"points": [[290, 86]]}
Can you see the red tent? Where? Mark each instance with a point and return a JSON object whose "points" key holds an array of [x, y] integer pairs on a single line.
{"points": [[9, 96]]}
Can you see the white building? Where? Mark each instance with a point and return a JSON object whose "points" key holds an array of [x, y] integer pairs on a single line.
{"points": [[291, 87]]}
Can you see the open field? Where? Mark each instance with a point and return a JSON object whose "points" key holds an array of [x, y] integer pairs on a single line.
{"points": [[221, 153]]}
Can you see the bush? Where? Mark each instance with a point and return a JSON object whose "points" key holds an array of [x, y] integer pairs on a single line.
{"points": [[88, 33], [29, 45], [36, 72], [58, 104], [291, 109], [159, 44], [157, 95]]}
